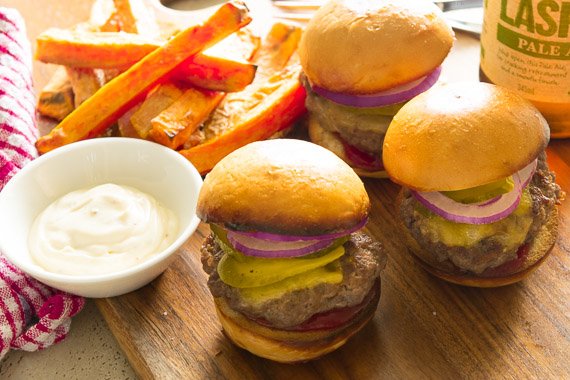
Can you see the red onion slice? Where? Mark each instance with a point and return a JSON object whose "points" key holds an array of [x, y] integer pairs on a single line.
{"points": [[490, 201], [271, 249], [279, 238], [526, 173], [485, 212], [395, 95], [457, 212]]}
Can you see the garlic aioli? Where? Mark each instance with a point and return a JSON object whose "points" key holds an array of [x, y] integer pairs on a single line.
{"points": [[104, 229]]}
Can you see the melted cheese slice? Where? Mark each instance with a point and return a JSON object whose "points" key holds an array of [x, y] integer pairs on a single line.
{"points": [[329, 274], [511, 231]]}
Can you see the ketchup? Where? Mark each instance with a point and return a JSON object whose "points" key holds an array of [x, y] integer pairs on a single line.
{"points": [[361, 159]]}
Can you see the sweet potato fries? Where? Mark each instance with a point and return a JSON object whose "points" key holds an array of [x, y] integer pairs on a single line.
{"points": [[173, 91]]}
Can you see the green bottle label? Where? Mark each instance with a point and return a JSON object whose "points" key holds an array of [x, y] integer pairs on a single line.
{"points": [[532, 46], [526, 45]]}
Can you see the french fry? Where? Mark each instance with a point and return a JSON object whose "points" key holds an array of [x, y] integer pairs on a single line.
{"points": [[112, 24], [270, 104], [159, 99], [107, 50], [121, 50], [222, 67], [124, 18], [272, 56], [59, 98], [56, 98], [104, 108], [130, 16], [217, 74], [173, 126], [125, 126], [103, 12], [134, 17], [280, 44], [69, 86], [276, 112], [239, 46], [176, 123], [85, 83], [110, 74]]}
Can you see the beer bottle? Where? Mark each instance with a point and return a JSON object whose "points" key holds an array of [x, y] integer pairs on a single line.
{"points": [[525, 46]]}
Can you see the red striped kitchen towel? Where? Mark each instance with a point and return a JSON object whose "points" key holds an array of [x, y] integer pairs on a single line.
{"points": [[33, 316]]}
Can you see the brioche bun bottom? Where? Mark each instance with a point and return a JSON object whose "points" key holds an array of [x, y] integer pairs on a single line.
{"points": [[506, 274], [330, 141], [290, 346]]}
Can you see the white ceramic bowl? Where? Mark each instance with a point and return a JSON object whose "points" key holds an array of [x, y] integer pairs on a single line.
{"points": [[146, 166]]}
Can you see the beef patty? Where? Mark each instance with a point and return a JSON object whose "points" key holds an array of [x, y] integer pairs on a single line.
{"points": [[361, 265], [363, 128], [489, 252]]}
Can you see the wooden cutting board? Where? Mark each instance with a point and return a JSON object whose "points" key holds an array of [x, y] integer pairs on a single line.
{"points": [[424, 327]]}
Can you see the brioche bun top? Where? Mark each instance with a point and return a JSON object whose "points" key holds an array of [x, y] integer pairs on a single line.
{"points": [[363, 47], [461, 135], [283, 186]]}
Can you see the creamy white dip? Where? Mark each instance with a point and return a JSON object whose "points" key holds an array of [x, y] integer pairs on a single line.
{"points": [[100, 230]]}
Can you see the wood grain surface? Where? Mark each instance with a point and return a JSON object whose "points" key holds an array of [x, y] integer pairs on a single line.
{"points": [[424, 327]]}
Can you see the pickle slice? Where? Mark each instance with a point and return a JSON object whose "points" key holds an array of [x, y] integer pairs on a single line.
{"points": [[241, 271], [483, 192]]}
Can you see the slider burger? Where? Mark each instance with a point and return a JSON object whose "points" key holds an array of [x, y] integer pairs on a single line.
{"points": [[362, 61], [292, 274], [478, 196]]}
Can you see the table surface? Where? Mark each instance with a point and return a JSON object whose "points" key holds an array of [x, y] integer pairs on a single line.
{"points": [[451, 331]]}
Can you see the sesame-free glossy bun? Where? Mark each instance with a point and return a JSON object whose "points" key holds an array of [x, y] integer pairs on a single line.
{"points": [[461, 135], [329, 140], [283, 186], [363, 47]]}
